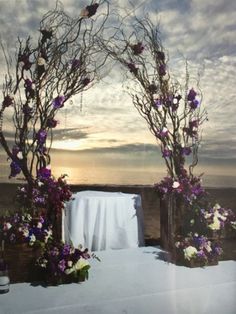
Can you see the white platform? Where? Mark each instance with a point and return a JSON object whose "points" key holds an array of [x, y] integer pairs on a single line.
{"points": [[132, 281]]}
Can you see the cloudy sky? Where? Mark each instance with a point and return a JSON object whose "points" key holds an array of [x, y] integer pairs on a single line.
{"points": [[107, 128]]}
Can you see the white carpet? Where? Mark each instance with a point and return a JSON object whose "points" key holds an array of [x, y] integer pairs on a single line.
{"points": [[132, 281]]}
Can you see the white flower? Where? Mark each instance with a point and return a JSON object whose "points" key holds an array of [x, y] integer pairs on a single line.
{"points": [[208, 247], [39, 225], [32, 239], [69, 263], [40, 183], [175, 185], [25, 233], [217, 206], [190, 252], [41, 61], [19, 155], [216, 224], [175, 101], [81, 264], [177, 244], [7, 226]]}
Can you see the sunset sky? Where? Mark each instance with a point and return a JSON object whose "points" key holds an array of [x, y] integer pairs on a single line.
{"points": [[107, 130]]}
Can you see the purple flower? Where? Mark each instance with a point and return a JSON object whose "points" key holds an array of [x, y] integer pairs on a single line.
{"points": [[58, 102], [137, 48], [158, 103], [86, 81], [15, 169], [51, 123], [75, 64], [163, 132], [191, 95], [8, 101], [162, 70], [166, 152], [193, 123], [62, 265], [44, 173], [186, 151], [41, 136], [161, 55], [194, 104], [132, 67], [66, 249], [92, 9]]}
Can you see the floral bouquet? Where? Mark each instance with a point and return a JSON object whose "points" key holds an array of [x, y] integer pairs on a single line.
{"points": [[218, 219], [62, 263], [23, 228], [195, 250]]}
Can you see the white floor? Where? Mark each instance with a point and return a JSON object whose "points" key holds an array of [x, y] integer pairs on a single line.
{"points": [[132, 281]]}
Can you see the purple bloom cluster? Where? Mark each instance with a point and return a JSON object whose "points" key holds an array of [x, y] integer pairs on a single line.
{"points": [[205, 251], [60, 260], [137, 48], [191, 97], [58, 102], [8, 101], [23, 228], [47, 192], [188, 187]]}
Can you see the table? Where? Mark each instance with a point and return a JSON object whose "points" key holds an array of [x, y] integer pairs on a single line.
{"points": [[104, 220]]}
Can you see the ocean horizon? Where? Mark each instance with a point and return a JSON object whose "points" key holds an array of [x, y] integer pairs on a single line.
{"points": [[118, 176]]}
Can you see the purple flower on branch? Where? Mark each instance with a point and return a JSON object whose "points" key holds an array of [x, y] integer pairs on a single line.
{"points": [[194, 104], [191, 95], [15, 169], [137, 48], [44, 173], [51, 123], [162, 70], [161, 55], [132, 67], [41, 136], [8, 101], [58, 102]]}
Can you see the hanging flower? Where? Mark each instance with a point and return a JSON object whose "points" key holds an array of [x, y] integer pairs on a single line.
{"points": [[186, 151], [41, 136], [44, 173], [132, 67], [164, 132], [8, 101], [167, 152], [75, 64], [137, 48], [194, 104], [191, 95], [160, 55], [15, 169], [162, 70], [90, 10], [24, 59], [58, 102], [29, 88], [46, 35], [86, 81], [51, 123]]}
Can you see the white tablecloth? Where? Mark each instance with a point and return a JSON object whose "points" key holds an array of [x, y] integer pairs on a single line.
{"points": [[104, 220]]}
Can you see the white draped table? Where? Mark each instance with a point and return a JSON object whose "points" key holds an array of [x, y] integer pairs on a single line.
{"points": [[104, 220]]}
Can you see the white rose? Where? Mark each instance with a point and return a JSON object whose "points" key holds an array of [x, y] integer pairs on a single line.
{"points": [[175, 185], [81, 264], [189, 252], [19, 155]]}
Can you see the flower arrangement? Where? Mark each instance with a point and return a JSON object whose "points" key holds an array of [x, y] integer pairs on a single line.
{"points": [[62, 263], [47, 192], [218, 218], [189, 188], [23, 228], [195, 249]]}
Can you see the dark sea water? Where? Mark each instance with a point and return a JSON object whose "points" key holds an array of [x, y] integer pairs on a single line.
{"points": [[122, 176]]}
